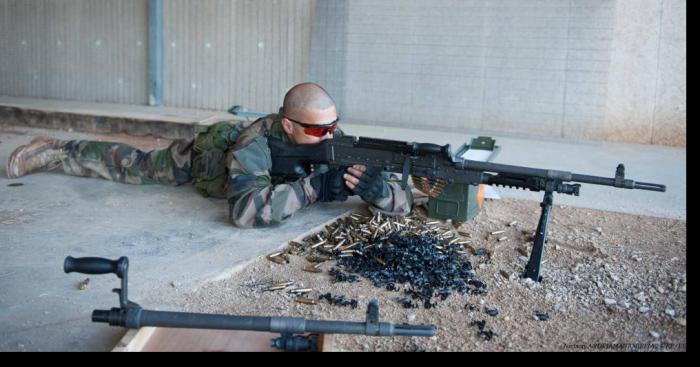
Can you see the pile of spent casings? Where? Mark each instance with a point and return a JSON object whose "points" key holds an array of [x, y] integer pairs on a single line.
{"points": [[423, 258]]}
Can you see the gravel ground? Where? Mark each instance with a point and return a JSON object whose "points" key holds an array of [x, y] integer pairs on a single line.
{"points": [[611, 282]]}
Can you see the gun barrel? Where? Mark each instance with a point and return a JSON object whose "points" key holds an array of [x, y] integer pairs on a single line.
{"points": [[136, 318], [188, 320], [414, 330], [596, 180], [559, 175], [650, 186], [627, 184], [516, 170], [381, 329]]}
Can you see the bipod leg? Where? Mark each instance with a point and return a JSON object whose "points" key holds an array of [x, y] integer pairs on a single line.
{"points": [[532, 269]]}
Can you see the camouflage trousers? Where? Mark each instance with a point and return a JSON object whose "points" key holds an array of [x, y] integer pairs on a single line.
{"points": [[123, 163]]}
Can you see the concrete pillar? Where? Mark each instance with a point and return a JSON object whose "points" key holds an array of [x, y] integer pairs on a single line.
{"points": [[155, 52]]}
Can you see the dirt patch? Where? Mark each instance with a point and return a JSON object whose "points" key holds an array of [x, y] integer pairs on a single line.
{"points": [[611, 282]]}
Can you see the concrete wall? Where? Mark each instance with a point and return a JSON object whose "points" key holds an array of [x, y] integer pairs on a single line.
{"points": [[218, 53], [647, 83], [246, 52], [74, 49], [586, 69], [532, 67], [573, 69]]}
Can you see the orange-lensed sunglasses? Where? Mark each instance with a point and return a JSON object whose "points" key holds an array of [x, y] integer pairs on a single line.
{"points": [[318, 131]]}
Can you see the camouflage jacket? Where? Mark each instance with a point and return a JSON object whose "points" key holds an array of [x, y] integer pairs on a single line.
{"points": [[256, 199]]}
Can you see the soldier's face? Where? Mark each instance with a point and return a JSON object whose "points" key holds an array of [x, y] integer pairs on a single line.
{"points": [[296, 131]]}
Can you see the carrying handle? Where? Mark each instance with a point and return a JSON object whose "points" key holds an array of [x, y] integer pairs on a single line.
{"points": [[96, 265]]}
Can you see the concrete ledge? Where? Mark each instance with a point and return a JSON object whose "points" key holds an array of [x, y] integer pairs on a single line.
{"points": [[162, 122]]}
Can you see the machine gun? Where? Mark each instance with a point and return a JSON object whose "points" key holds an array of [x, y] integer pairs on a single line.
{"points": [[130, 315], [433, 169]]}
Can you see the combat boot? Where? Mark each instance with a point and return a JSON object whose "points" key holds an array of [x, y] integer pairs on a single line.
{"points": [[40, 154]]}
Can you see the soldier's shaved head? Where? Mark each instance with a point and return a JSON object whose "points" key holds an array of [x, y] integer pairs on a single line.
{"points": [[307, 104], [307, 98]]}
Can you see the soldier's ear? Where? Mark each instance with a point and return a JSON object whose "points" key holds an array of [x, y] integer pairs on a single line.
{"points": [[287, 126]]}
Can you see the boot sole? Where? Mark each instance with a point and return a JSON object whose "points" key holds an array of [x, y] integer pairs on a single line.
{"points": [[12, 167]]}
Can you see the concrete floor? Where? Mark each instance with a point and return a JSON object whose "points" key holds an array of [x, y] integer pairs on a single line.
{"points": [[172, 234]]}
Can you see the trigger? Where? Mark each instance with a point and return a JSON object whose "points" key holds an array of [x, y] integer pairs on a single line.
{"points": [[299, 171]]}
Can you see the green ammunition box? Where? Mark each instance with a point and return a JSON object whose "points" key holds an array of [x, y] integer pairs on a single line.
{"points": [[462, 202]]}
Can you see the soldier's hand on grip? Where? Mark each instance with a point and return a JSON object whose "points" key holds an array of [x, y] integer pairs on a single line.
{"points": [[330, 186]]}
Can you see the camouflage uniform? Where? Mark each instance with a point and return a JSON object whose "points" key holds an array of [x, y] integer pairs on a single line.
{"points": [[231, 161], [126, 164]]}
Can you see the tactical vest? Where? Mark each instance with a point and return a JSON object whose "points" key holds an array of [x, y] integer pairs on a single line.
{"points": [[209, 171]]}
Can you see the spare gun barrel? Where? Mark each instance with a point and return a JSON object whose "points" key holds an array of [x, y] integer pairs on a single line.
{"points": [[131, 315], [137, 318]]}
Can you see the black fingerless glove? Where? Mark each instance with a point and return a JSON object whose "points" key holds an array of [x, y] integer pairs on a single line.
{"points": [[330, 186], [372, 185]]}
